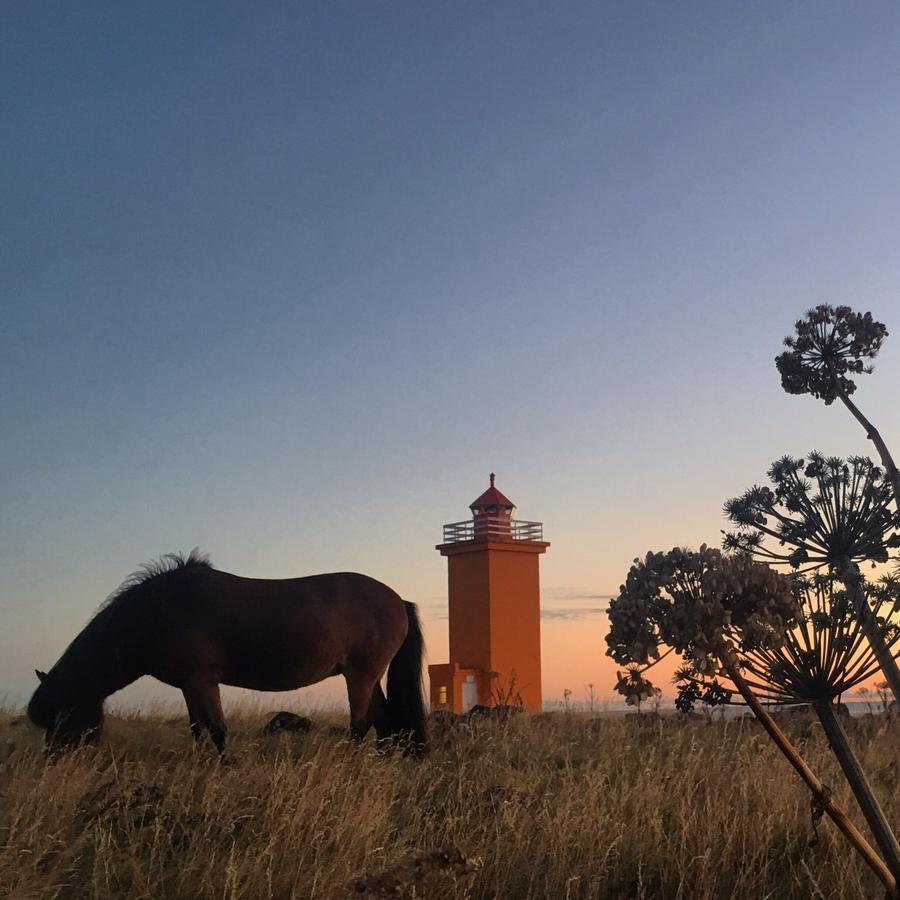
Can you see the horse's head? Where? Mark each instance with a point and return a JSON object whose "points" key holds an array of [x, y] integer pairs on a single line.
{"points": [[68, 720]]}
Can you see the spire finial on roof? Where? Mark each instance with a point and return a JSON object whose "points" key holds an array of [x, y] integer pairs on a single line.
{"points": [[492, 498]]}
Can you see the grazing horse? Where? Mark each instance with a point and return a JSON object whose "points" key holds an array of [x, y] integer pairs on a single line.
{"points": [[194, 627]]}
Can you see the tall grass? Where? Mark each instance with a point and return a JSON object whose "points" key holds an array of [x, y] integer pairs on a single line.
{"points": [[551, 806]]}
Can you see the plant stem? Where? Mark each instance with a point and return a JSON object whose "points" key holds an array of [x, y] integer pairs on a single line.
{"points": [[862, 790], [851, 577], [819, 791], [848, 572], [872, 434]]}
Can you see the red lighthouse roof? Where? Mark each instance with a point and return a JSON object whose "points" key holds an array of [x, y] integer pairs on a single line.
{"points": [[492, 498]]}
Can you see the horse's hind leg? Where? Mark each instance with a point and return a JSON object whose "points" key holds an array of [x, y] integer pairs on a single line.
{"points": [[360, 694], [378, 712], [194, 716], [204, 705]]}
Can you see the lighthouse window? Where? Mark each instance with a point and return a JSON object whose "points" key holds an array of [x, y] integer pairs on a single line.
{"points": [[443, 696]]}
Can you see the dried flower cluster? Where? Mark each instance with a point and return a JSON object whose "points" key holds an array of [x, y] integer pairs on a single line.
{"points": [[632, 685], [700, 604], [825, 511], [694, 689], [825, 655], [830, 344]]}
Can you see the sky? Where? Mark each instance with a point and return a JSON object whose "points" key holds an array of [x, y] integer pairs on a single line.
{"points": [[286, 281]]}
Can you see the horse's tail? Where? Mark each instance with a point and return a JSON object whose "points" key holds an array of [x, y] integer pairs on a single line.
{"points": [[405, 697]]}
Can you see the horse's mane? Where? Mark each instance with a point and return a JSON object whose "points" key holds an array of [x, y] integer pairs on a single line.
{"points": [[195, 561]]}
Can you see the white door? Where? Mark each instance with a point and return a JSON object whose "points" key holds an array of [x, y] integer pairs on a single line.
{"points": [[469, 694]]}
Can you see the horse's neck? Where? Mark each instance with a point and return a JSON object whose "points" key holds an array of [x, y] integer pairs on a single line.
{"points": [[102, 659]]}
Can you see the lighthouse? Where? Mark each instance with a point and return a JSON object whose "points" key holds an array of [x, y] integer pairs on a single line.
{"points": [[494, 609]]}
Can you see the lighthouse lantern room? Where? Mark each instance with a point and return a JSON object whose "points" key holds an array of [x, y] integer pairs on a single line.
{"points": [[494, 609]]}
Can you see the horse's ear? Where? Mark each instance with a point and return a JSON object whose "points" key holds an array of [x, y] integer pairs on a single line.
{"points": [[42, 676]]}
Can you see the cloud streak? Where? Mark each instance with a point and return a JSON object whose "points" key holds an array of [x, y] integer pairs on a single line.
{"points": [[569, 594], [571, 603], [557, 603], [571, 613]]}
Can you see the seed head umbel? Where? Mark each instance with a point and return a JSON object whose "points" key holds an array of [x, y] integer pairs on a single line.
{"points": [[699, 603], [824, 655], [819, 512], [829, 346]]}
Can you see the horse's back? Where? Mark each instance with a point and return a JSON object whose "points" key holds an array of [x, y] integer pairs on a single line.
{"points": [[328, 594], [277, 634]]}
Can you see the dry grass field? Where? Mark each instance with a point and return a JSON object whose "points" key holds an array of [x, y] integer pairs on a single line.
{"points": [[553, 806]]}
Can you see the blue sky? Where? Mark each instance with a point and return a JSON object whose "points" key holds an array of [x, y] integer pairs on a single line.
{"points": [[286, 281]]}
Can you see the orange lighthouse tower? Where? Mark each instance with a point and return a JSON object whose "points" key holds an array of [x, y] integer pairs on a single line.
{"points": [[495, 615]]}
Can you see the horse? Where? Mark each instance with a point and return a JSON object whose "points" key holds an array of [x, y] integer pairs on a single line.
{"points": [[195, 628]]}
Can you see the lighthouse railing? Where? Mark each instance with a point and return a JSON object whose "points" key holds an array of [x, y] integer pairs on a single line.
{"points": [[493, 529]]}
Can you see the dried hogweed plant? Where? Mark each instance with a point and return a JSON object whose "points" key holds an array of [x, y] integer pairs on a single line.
{"points": [[829, 346], [825, 655], [823, 514], [716, 611]]}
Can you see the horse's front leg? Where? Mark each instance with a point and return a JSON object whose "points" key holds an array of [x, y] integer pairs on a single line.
{"points": [[204, 705]]}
